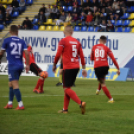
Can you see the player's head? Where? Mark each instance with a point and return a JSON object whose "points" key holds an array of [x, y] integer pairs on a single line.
{"points": [[68, 31], [103, 39], [14, 30]]}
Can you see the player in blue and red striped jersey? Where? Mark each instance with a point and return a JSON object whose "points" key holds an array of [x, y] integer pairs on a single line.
{"points": [[14, 48]]}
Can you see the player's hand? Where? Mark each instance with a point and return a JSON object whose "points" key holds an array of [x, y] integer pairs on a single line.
{"points": [[84, 73], [118, 72], [54, 68], [27, 68]]}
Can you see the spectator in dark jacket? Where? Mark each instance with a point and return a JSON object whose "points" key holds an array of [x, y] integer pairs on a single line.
{"points": [[27, 24], [41, 18], [22, 5], [8, 18], [54, 12], [118, 13], [61, 19], [86, 6], [76, 9], [3, 10], [75, 19], [110, 26], [43, 8], [110, 12], [82, 19], [1, 17], [15, 5]]}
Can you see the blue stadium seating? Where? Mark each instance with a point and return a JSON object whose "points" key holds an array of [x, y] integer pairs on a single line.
{"points": [[96, 29], [65, 9], [84, 0], [90, 29], [70, 9], [1, 27], [131, 9], [118, 23], [113, 22], [76, 28], [119, 29], [15, 14], [84, 28], [126, 22], [30, 2], [104, 14], [125, 16], [127, 29], [35, 27], [35, 21]]}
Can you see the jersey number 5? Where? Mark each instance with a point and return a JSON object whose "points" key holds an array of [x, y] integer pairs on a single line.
{"points": [[74, 51], [16, 48], [99, 53]]}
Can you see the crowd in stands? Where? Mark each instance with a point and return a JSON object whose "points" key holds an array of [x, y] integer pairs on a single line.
{"points": [[6, 14], [84, 13]]}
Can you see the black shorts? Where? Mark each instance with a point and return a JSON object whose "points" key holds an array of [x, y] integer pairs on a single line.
{"points": [[101, 72], [35, 69], [61, 66], [69, 77]]}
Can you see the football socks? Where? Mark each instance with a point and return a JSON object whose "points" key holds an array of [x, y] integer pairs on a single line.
{"points": [[105, 90], [99, 86], [72, 95], [60, 78], [11, 94], [17, 94], [66, 101]]}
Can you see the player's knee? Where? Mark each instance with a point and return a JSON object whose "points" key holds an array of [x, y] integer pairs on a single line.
{"points": [[60, 71], [41, 78], [15, 84]]}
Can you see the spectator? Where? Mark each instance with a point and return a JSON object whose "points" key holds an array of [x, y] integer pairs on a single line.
{"points": [[61, 19], [8, 18], [43, 8], [60, 12], [67, 3], [22, 5], [123, 6], [15, 5], [82, 19], [75, 10], [41, 18], [27, 24], [74, 19], [1, 17], [115, 4], [3, 10], [68, 19], [75, 3], [20, 27], [60, 2], [110, 26], [94, 6], [54, 12], [89, 18], [110, 12], [48, 12], [86, 6], [103, 26], [9, 9], [118, 13], [97, 18], [102, 17], [102, 4]]}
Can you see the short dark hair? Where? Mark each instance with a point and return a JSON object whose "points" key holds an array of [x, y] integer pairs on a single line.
{"points": [[103, 37], [14, 29]]}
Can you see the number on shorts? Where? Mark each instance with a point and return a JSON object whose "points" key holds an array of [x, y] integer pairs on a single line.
{"points": [[16, 48], [99, 53]]}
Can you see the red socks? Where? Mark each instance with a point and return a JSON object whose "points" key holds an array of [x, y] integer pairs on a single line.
{"points": [[105, 90], [99, 86], [66, 101], [40, 84], [72, 95]]}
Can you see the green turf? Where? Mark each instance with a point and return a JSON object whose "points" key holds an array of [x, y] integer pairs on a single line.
{"points": [[40, 115]]}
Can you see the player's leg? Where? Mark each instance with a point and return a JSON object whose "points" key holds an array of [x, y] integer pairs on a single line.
{"points": [[99, 88], [60, 75], [11, 96], [69, 77]]}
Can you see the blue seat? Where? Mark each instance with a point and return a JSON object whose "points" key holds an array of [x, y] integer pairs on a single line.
{"points": [[131, 9], [35, 21], [96, 29], [104, 14], [119, 23], [76, 28], [15, 14], [127, 29], [125, 16], [30, 2], [35, 27], [90, 29], [119, 29], [126, 22], [113, 22], [84, 28], [1, 27], [84, 0], [65, 9], [70, 9]]}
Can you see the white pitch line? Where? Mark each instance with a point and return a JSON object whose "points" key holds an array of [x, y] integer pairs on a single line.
{"points": [[63, 95]]}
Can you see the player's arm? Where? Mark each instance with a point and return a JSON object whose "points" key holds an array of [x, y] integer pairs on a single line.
{"points": [[110, 54], [1, 54], [27, 60], [84, 72], [58, 55]]}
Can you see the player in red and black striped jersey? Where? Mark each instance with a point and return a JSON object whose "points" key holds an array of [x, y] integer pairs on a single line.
{"points": [[36, 70], [70, 49], [99, 55]]}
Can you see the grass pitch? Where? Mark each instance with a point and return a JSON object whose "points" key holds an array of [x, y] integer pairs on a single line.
{"points": [[40, 115]]}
